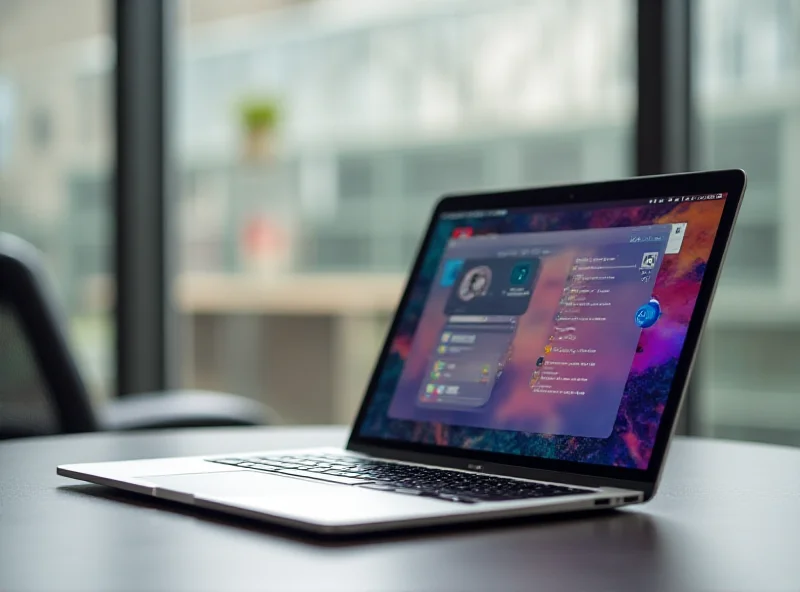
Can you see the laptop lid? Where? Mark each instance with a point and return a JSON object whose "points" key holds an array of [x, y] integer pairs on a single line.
{"points": [[552, 330]]}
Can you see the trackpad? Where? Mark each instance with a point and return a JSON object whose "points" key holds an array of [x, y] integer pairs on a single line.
{"points": [[228, 484], [297, 499]]}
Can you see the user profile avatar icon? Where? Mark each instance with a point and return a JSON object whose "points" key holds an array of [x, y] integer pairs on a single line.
{"points": [[475, 284]]}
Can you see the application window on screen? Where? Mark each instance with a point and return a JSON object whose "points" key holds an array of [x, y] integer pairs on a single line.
{"points": [[675, 242], [517, 324], [484, 305]]}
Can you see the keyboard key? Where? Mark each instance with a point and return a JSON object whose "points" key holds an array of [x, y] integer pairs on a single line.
{"points": [[323, 477], [276, 463], [261, 467]]}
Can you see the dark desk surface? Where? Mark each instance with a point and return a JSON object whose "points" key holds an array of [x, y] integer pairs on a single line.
{"points": [[727, 518]]}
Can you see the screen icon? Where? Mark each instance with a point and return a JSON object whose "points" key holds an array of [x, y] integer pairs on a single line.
{"points": [[446, 337], [520, 273], [430, 389], [649, 260], [442, 349], [647, 314], [540, 362], [462, 232], [450, 271]]}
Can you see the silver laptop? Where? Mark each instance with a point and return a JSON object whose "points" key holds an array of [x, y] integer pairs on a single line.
{"points": [[535, 365]]}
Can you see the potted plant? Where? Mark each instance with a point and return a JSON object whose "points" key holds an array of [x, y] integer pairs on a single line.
{"points": [[259, 119]]}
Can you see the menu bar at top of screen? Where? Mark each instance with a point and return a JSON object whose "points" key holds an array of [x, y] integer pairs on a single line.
{"points": [[685, 198], [603, 204]]}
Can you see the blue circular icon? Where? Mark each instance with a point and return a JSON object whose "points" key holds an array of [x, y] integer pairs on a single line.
{"points": [[648, 314]]}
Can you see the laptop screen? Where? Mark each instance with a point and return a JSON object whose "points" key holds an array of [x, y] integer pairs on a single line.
{"points": [[550, 332]]}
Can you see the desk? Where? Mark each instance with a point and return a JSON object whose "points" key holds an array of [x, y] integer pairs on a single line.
{"points": [[727, 518]]}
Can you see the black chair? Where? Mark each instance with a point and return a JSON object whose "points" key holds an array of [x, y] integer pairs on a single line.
{"points": [[41, 389]]}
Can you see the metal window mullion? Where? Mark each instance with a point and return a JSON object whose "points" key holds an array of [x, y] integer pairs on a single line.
{"points": [[665, 121], [145, 341]]}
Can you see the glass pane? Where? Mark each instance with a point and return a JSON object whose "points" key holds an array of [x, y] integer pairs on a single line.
{"points": [[55, 145], [747, 60], [314, 139]]}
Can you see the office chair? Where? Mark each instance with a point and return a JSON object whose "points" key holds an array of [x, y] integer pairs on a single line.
{"points": [[41, 389]]}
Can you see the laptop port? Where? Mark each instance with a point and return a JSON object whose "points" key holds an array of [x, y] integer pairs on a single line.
{"points": [[602, 502], [630, 498]]}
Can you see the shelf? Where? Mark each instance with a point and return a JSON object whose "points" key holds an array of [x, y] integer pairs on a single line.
{"points": [[289, 294], [740, 306], [765, 409]]}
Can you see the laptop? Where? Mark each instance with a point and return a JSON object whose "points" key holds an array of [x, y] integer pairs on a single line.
{"points": [[535, 365]]}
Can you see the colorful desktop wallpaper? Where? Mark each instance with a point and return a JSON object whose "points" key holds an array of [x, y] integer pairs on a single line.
{"points": [[513, 403], [632, 438]]}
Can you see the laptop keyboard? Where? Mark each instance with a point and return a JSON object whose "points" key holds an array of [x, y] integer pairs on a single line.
{"points": [[443, 484]]}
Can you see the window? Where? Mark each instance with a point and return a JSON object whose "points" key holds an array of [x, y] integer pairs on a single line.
{"points": [[747, 55], [55, 145], [314, 138]]}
